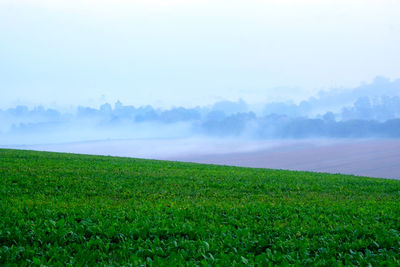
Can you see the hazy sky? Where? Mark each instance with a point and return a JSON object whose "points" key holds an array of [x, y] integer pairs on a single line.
{"points": [[182, 52]]}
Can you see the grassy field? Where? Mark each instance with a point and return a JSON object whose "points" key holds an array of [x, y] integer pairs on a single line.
{"points": [[58, 209]]}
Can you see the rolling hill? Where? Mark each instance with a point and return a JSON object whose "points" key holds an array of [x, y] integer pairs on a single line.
{"points": [[68, 209]]}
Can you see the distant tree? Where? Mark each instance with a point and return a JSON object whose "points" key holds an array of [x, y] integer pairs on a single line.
{"points": [[179, 114], [230, 107], [329, 117], [18, 110], [106, 108]]}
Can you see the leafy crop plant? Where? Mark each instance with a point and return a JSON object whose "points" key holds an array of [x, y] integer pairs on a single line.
{"points": [[65, 209]]}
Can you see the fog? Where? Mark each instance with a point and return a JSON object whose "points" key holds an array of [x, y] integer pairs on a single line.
{"points": [[357, 133], [368, 111], [187, 53], [206, 81]]}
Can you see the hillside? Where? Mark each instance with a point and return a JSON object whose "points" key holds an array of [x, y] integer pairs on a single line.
{"points": [[59, 209]]}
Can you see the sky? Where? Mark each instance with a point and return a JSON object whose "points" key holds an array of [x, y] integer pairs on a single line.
{"points": [[187, 53]]}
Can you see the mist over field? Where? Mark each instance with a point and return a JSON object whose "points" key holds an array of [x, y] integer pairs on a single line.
{"points": [[190, 79], [368, 111], [351, 131]]}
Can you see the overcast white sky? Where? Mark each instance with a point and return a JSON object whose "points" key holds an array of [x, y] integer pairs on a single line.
{"points": [[175, 52]]}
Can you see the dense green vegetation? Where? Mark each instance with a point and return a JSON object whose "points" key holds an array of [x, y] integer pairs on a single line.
{"points": [[59, 209]]}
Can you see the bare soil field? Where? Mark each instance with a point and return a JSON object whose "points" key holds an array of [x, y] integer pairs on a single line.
{"points": [[373, 158]]}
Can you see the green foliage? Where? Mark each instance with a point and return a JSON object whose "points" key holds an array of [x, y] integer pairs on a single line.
{"points": [[65, 209]]}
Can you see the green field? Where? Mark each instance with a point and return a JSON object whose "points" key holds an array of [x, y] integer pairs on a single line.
{"points": [[59, 209]]}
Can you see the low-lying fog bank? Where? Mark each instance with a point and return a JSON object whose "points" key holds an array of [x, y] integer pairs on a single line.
{"points": [[373, 157]]}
